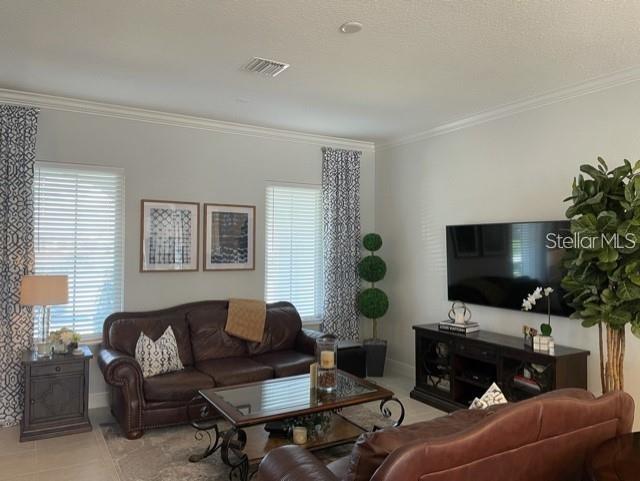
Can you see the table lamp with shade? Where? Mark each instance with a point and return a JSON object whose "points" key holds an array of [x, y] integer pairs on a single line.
{"points": [[45, 291]]}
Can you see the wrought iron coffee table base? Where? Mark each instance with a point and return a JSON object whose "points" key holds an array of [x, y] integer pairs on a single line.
{"points": [[386, 412], [232, 441]]}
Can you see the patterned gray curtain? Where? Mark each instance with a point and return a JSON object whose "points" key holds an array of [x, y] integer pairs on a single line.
{"points": [[18, 127], [341, 243]]}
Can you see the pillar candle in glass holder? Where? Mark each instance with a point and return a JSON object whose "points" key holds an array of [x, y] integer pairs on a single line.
{"points": [[300, 435], [327, 359], [326, 356]]}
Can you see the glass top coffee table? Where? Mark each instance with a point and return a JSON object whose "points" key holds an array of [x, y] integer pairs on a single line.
{"points": [[248, 407]]}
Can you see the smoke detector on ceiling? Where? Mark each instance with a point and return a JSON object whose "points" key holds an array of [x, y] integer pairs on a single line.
{"points": [[266, 67], [351, 27]]}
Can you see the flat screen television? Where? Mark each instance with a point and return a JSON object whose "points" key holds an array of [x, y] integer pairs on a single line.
{"points": [[498, 265]]}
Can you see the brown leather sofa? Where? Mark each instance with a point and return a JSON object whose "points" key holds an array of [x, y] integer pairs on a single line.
{"points": [[546, 438], [210, 356]]}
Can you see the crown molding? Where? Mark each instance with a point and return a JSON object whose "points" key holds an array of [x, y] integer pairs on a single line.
{"points": [[67, 104], [597, 84]]}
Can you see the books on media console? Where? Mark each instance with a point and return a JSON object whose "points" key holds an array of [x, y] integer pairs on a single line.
{"points": [[466, 328], [526, 383]]}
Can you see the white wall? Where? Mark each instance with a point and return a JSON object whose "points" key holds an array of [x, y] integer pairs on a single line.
{"points": [[513, 169], [176, 163]]}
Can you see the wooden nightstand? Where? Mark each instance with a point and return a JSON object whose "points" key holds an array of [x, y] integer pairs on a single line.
{"points": [[56, 397]]}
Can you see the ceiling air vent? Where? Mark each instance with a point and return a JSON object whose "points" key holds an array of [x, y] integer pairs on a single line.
{"points": [[266, 67]]}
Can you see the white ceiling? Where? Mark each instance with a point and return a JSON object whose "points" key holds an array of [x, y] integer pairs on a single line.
{"points": [[415, 65]]}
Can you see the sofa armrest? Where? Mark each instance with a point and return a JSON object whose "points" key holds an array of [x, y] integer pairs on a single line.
{"points": [[124, 373], [306, 341], [117, 367], [293, 463]]}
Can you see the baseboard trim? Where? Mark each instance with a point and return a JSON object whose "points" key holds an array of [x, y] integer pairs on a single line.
{"points": [[399, 368], [98, 400]]}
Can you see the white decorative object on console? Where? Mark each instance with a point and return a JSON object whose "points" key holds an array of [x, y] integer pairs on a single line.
{"points": [[459, 320], [543, 343], [491, 397]]}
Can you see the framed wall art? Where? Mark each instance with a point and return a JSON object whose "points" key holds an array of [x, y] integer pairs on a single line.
{"points": [[169, 236], [229, 237]]}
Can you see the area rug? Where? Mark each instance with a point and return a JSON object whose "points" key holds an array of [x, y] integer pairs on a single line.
{"points": [[162, 454]]}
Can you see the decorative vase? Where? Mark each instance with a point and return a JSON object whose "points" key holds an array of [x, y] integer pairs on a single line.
{"points": [[59, 347], [72, 346]]}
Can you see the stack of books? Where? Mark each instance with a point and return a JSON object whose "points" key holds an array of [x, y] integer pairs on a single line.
{"points": [[526, 383], [465, 328]]}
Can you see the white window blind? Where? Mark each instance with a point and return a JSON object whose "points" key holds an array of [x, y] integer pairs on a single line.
{"points": [[79, 233], [294, 248]]}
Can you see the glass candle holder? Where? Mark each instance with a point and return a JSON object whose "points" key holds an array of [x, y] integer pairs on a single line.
{"points": [[43, 349], [327, 356], [300, 435]]}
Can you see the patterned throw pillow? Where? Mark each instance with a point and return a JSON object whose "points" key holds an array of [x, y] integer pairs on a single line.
{"points": [[490, 398], [158, 357]]}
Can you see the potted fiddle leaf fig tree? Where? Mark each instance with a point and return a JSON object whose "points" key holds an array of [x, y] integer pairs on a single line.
{"points": [[603, 267], [373, 303]]}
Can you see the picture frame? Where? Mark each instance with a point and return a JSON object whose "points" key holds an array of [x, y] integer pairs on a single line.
{"points": [[229, 237], [169, 236]]}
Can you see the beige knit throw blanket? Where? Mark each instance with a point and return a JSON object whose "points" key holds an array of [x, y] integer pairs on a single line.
{"points": [[246, 319]]}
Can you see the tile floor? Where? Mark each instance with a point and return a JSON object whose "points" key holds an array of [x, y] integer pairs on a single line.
{"points": [[86, 457]]}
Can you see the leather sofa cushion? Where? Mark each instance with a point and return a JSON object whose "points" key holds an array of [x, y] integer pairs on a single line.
{"points": [[372, 448], [281, 329], [293, 463], [286, 363], [176, 386], [124, 333], [208, 339], [235, 370], [339, 467]]}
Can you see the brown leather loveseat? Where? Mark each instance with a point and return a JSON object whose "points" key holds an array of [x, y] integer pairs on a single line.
{"points": [[210, 356], [546, 438]]}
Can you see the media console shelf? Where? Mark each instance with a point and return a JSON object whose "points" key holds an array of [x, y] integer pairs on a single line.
{"points": [[453, 369]]}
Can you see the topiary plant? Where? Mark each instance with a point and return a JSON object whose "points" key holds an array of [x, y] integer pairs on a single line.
{"points": [[373, 303], [372, 242], [603, 268], [372, 268]]}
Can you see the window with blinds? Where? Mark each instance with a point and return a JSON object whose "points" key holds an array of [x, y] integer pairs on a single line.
{"points": [[293, 248], [78, 215]]}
